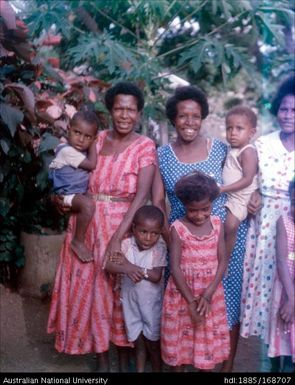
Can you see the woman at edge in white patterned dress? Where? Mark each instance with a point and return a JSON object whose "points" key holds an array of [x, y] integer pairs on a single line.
{"points": [[276, 169]]}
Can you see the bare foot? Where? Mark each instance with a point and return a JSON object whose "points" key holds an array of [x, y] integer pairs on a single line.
{"points": [[226, 367], [82, 252]]}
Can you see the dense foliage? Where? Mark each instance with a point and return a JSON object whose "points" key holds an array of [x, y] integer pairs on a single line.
{"points": [[36, 103], [207, 42]]}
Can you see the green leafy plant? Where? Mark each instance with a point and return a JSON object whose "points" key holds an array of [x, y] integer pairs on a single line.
{"points": [[36, 103]]}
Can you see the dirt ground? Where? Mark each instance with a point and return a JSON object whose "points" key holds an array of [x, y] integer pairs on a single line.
{"points": [[25, 346]]}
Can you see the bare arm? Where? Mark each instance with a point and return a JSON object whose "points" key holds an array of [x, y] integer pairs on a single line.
{"points": [[249, 164], [222, 265], [176, 272], [136, 273], [158, 199], [144, 182], [287, 307], [89, 163], [179, 279]]}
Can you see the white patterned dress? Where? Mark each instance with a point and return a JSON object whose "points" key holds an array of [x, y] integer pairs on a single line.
{"points": [[276, 170]]}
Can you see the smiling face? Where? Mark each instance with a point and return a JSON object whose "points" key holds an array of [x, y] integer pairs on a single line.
{"points": [[81, 135], [239, 130], [125, 114], [188, 120], [198, 212], [147, 233], [286, 114]]}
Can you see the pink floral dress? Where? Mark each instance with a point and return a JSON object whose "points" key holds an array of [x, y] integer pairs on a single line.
{"points": [[81, 312], [206, 344]]}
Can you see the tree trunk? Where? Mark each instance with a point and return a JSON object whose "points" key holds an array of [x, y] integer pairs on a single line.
{"points": [[41, 257]]}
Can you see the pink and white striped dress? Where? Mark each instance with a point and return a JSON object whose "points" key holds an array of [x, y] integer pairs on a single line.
{"points": [[183, 343], [280, 343], [81, 312]]}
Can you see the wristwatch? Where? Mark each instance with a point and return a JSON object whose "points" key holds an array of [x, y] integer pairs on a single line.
{"points": [[145, 273]]}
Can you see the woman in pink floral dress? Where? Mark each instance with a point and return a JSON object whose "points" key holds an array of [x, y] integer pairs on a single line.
{"points": [[81, 312]]}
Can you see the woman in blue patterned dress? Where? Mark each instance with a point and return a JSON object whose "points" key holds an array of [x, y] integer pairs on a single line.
{"points": [[191, 151]]}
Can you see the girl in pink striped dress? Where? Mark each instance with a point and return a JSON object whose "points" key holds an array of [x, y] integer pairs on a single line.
{"points": [[282, 319], [194, 324]]}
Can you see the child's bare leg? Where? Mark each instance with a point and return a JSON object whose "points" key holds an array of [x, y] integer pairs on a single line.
{"points": [[84, 209], [102, 362], [230, 231], [140, 353], [123, 358], [154, 348], [227, 365]]}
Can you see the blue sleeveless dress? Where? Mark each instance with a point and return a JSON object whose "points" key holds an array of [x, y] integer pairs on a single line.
{"points": [[172, 170]]}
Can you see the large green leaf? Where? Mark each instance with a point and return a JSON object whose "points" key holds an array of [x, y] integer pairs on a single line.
{"points": [[48, 142], [11, 116], [196, 55], [26, 95], [237, 58], [87, 48], [47, 14], [270, 30], [118, 56]]}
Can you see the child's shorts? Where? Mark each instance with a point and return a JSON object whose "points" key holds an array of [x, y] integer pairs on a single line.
{"points": [[142, 316], [68, 199]]}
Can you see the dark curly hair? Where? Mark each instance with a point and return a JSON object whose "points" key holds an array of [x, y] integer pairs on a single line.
{"points": [[286, 88], [186, 93], [149, 212], [196, 186], [244, 111], [86, 115], [124, 88]]}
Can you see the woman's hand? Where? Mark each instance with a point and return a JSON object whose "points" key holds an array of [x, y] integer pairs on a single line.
{"points": [[58, 202], [255, 203], [287, 310], [118, 258], [135, 273], [114, 247]]}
